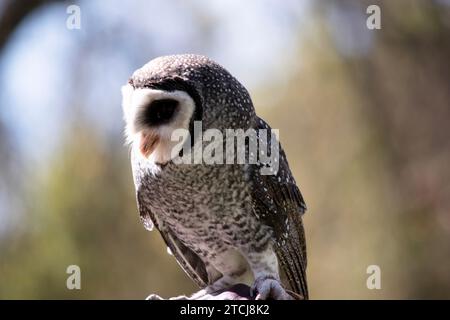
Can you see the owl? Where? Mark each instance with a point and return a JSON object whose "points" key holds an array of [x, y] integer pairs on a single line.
{"points": [[226, 222]]}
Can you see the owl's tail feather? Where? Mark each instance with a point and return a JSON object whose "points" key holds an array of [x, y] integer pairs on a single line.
{"points": [[292, 260]]}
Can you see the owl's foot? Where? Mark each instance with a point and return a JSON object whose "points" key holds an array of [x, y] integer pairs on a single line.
{"points": [[268, 287]]}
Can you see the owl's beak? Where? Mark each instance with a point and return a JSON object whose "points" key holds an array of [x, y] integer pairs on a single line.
{"points": [[148, 142]]}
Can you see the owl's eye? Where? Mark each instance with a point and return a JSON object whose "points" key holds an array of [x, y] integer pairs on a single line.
{"points": [[160, 111]]}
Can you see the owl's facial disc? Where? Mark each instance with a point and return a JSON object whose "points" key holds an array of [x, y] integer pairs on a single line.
{"points": [[159, 112], [148, 141], [151, 116]]}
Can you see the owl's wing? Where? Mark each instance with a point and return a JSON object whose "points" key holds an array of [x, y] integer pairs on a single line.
{"points": [[277, 202], [189, 261]]}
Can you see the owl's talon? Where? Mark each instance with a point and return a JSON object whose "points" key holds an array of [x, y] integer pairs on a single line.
{"points": [[269, 288]]}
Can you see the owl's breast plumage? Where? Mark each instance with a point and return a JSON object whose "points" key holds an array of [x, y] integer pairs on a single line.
{"points": [[206, 217]]}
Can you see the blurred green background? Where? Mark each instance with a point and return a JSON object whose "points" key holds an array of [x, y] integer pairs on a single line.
{"points": [[363, 116]]}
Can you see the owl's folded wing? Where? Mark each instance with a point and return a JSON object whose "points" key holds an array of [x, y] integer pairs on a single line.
{"points": [[189, 261]]}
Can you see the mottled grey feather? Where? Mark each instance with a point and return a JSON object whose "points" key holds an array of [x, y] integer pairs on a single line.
{"points": [[186, 258], [279, 204]]}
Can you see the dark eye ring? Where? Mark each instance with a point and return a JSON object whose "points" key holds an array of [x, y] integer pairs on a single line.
{"points": [[160, 111]]}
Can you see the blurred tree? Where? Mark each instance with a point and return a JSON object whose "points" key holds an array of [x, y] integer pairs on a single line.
{"points": [[405, 82], [12, 12]]}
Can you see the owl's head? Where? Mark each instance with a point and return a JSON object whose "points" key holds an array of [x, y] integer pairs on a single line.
{"points": [[172, 92]]}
